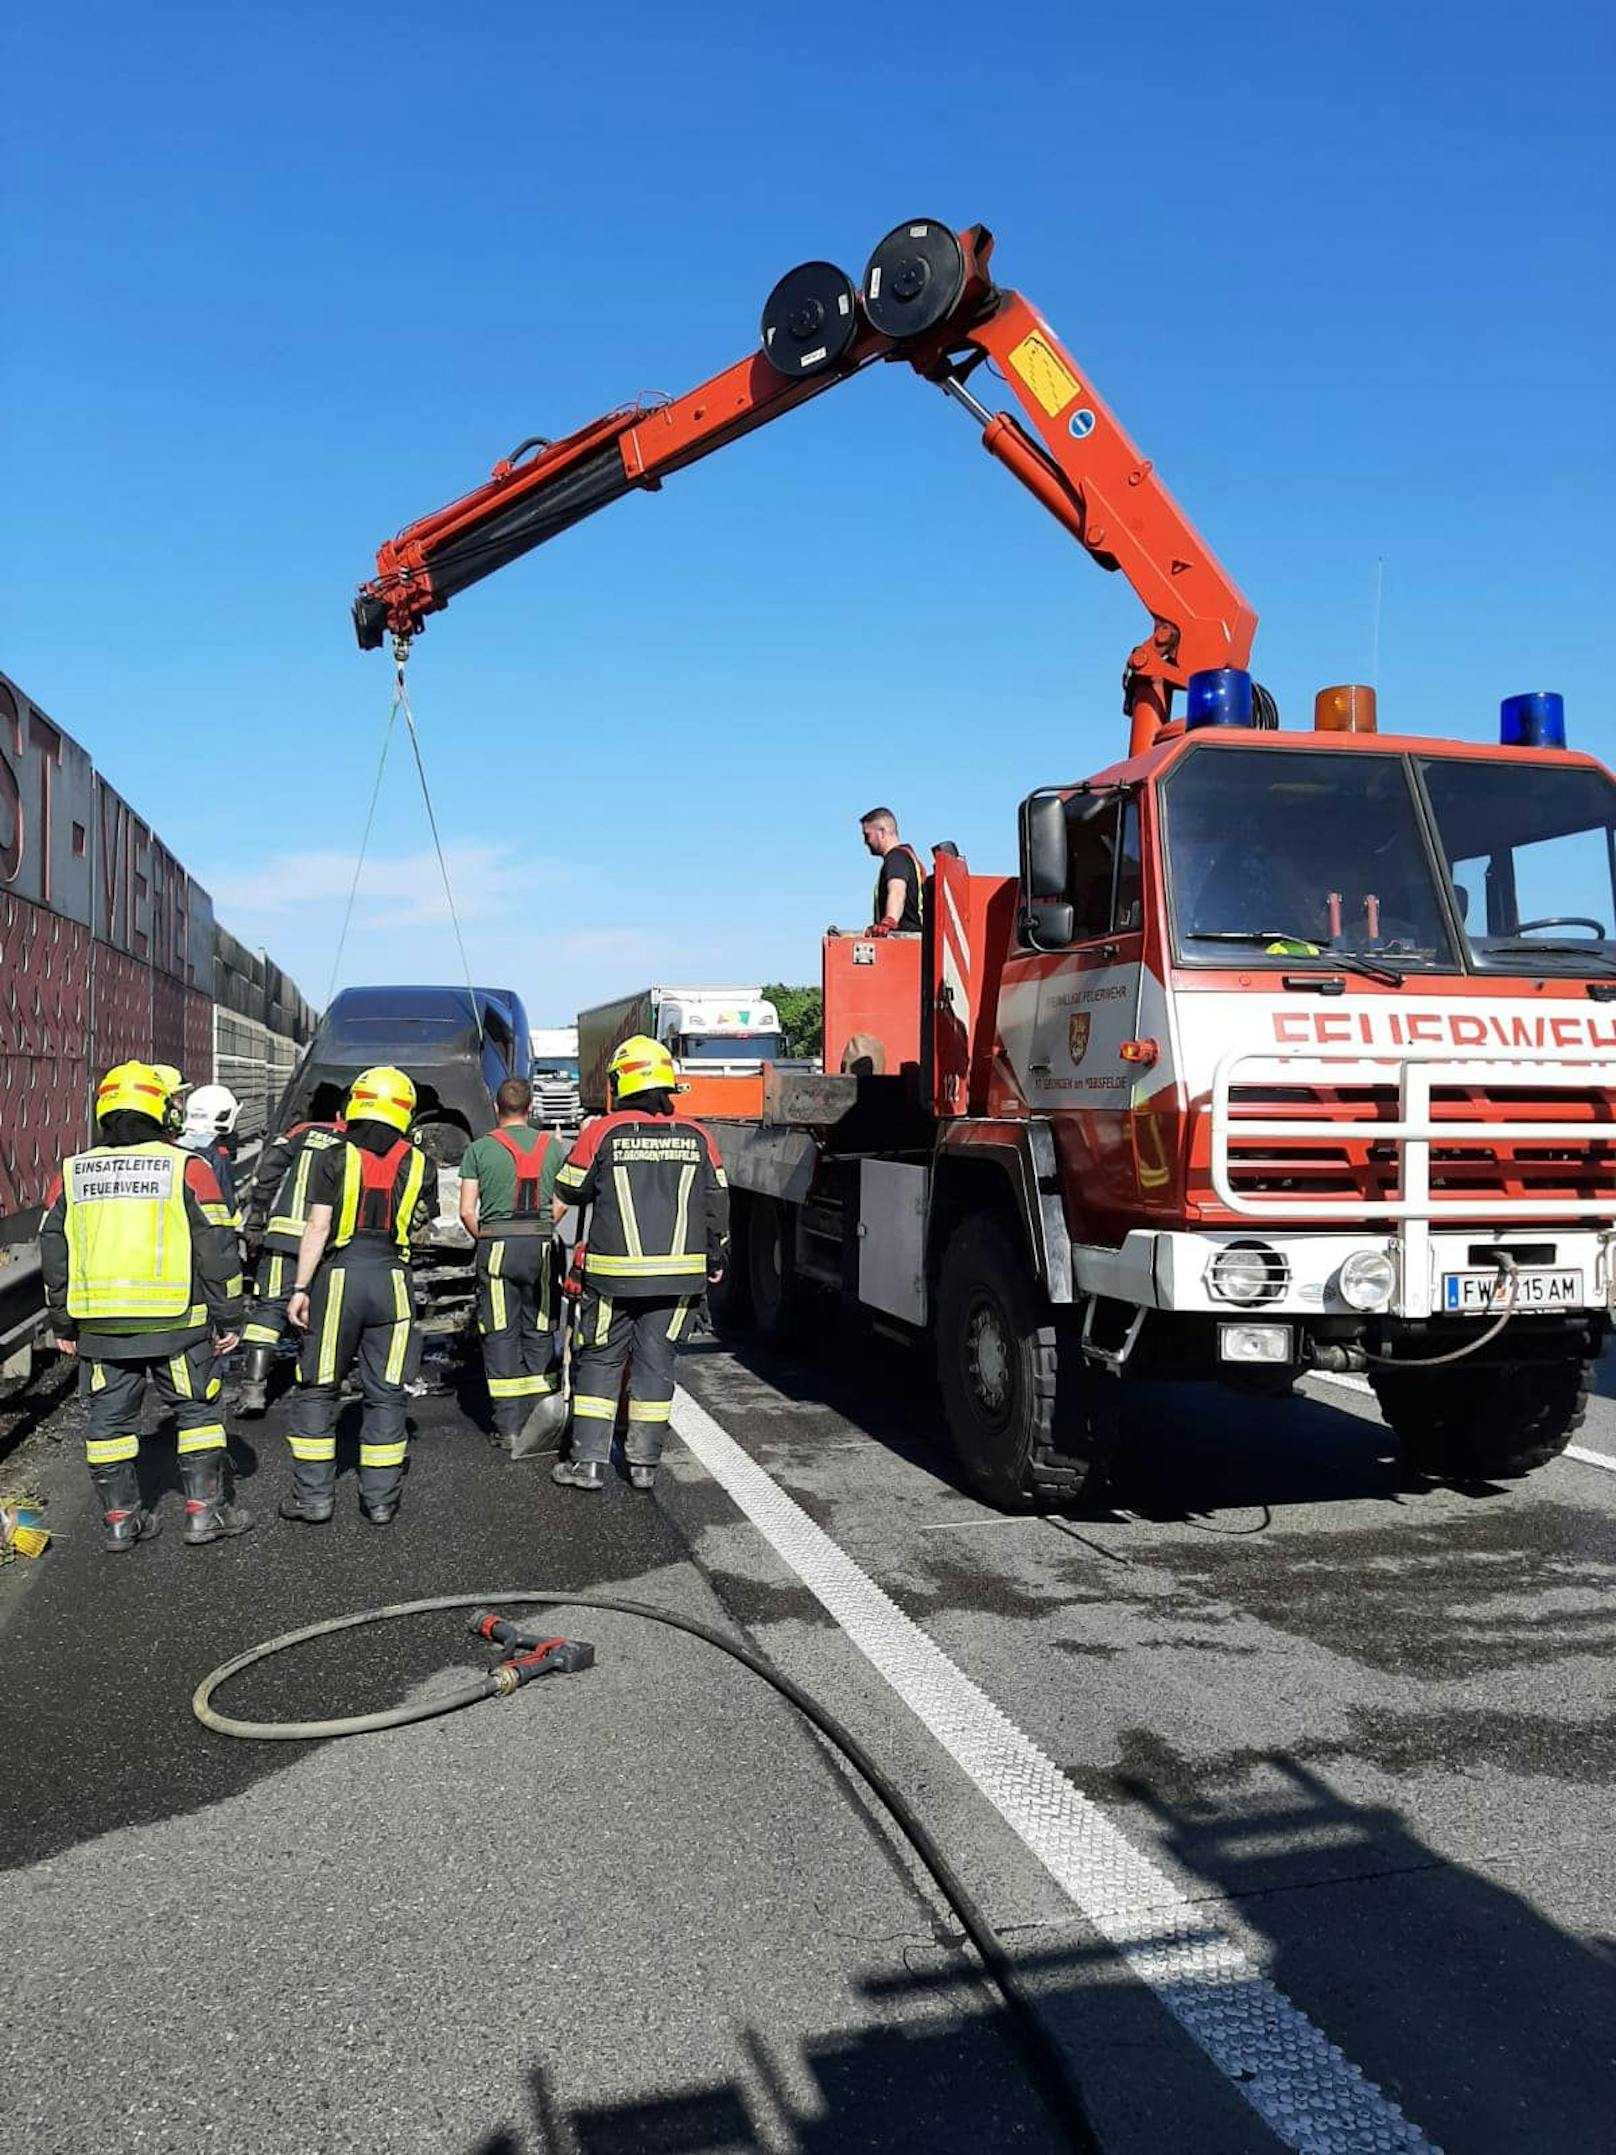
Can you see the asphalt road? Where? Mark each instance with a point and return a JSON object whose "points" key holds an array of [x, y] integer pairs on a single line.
{"points": [[1356, 1733]]}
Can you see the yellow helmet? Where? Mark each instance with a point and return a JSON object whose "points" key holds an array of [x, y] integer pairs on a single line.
{"points": [[136, 1088], [173, 1115], [642, 1065], [382, 1095]]}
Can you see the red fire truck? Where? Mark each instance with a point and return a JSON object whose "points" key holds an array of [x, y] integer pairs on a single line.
{"points": [[1281, 1050]]}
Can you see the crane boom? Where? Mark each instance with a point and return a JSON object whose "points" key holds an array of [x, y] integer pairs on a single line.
{"points": [[926, 299]]}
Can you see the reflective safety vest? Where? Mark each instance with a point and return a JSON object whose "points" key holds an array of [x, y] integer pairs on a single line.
{"points": [[526, 1218], [128, 1234], [369, 1206], [289, 1209], [878, 911]]}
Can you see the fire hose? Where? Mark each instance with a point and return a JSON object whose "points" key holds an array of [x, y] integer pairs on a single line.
{"points": [[535, 1655]]}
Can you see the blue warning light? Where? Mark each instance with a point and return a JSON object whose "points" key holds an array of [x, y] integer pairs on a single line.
{"points": [[1535, 721], [1219, 697]]}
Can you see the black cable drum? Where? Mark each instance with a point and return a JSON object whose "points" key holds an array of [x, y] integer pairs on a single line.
{"points": [[809, 320], [914, 279]]}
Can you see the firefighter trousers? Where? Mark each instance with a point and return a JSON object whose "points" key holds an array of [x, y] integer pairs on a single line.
{"points": [[277, 1274], [187, 1387], [610, 1329], [518, 1331], [360, 1312]]}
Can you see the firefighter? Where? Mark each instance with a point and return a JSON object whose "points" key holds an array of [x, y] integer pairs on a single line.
{"points": [[142, 1279], [658, 1234], [276, 1214], [507, 1188], [365, 1194], [900, 881], [209, 1128]]}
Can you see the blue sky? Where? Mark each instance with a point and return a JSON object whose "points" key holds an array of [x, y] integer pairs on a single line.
{"points": [[279, 281]]}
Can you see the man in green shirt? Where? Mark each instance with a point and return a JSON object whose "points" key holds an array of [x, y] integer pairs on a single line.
{"points": [[507, 1184]]}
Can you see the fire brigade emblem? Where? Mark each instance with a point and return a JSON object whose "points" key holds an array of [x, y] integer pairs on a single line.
{"points": [[1077, 1035]]}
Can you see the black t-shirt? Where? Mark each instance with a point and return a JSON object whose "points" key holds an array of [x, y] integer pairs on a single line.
{"points": [[899, 865]]}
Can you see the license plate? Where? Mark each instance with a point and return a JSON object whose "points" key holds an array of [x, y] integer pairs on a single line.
{"points": [[1532, 1290]]}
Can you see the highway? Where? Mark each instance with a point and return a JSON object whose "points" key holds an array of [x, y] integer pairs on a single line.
{"points": [[1284, 1778]]}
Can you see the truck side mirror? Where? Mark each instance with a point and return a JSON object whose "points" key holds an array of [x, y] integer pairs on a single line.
{"points": [[1047, 917]]}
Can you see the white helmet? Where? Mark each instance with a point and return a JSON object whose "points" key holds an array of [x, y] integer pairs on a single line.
{"points": [[210, 1113]]}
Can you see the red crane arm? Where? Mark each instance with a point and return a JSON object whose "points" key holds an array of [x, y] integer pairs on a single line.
{"points": [[1076, 459]]}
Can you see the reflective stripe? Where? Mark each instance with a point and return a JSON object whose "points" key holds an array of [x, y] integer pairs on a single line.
{"points": [[676, 1323], [215, 1387], [312, 1447], [179, 1375], [261, 1335], [107, 1451], [567, 1173], [233, 1286], [496, 1288], [327, 1370], [594, 1410], [295, 1218], [401, 1328], [275, 1283], [98, 1377], [639, 1268], [219, 1215], [719, 1176], [514, 1387], [383, 1455], [681, 1233], [625, 1207], [603, 1320], [649, 1410], [209, 1438], [546, 1384]]}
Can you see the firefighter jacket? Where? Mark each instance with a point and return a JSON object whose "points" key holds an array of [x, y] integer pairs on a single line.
{"points": [[139, 1252], [383, 1196], [661, 1204], [278, 1207]]}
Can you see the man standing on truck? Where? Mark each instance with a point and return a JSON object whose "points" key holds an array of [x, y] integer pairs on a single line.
{"points": [[277, 1213], [900, 881], [507, 1192], [365, 1195], [658, 1235], [142, 1279]]}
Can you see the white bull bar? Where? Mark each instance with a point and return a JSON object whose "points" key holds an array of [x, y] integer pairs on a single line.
{"points": [[1411, 1136]]}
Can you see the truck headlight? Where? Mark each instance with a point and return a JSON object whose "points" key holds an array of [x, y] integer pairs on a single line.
{"points": [[1248, 1273], [1366, 1280]]}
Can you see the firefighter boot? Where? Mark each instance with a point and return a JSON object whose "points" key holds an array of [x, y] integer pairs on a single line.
{"points": [[580, 1474], [253, 1398], [126, 1521], [209, 1513], [641, 1474]]}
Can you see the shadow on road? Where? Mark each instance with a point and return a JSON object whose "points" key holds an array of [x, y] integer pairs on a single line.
{"points": [[1482, 2018]]}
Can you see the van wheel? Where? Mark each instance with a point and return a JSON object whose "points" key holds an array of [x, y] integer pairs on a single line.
{"points": [[1488, 1424], [1032, 1423]]}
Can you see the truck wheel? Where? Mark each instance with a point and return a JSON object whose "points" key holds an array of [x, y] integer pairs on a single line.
{"points": [[1486, 1424], [730, 1302], [1032, 1424], [777, 1293]]}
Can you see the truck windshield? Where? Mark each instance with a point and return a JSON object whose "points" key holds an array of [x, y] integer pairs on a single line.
{"points": [[1308, 854], [729, 1048], [1529, 848]]}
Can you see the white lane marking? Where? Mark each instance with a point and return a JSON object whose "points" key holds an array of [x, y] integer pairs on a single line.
{"points": [[1590, 1459], [1340, 1377], [1292, 2075]]}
